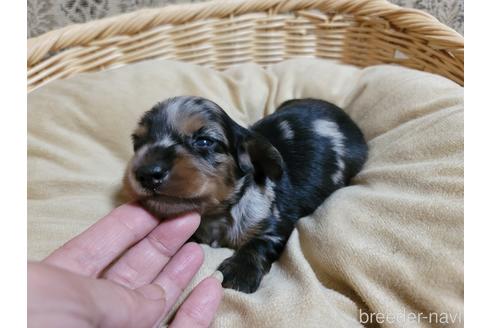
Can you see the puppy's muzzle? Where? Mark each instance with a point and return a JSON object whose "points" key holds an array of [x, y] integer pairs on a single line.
{"points": [[151, 176], [152, 167]]}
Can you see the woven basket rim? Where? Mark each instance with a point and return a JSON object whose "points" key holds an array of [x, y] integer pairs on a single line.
{"points": [[409, 19]]}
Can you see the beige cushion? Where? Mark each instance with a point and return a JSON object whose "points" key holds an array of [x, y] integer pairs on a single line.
{"points": [[392, 242]]}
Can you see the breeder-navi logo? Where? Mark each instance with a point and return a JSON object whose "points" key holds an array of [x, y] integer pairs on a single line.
{"points": [[410, 317]]}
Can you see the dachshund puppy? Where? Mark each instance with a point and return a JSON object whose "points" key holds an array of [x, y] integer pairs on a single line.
{"points": [[250, 185]]}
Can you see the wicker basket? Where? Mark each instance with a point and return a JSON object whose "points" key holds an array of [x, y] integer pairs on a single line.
{"points": [[221, 34]]}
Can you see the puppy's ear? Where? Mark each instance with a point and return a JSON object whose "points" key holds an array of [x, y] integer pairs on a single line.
{"points": [[258, 156]]}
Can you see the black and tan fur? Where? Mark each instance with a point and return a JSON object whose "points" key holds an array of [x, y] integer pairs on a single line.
{"points": [[249, 185]]}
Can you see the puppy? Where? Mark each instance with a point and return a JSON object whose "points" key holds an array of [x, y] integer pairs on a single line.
{"points": [[250, 185]]}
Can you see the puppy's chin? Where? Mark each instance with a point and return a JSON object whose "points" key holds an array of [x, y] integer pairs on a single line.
{"points": [[163, 206]]}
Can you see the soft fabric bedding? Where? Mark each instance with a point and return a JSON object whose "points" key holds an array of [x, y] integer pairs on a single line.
{"points": [[388, 248]]}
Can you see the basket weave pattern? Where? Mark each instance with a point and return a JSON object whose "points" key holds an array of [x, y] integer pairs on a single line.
{"points": [[221, 34]]}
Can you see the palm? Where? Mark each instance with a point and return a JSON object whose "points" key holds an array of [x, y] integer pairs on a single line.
{"points": [[129, 261]]}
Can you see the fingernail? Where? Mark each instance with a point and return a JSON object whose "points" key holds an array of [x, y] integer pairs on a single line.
{"points": [[188, 216], [218, 275], [194, 214], [152, 292]]}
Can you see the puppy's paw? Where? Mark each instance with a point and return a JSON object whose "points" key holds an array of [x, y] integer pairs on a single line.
{"points": [[240, 275]]}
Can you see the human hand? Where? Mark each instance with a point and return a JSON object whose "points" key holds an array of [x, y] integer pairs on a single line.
{"points": [[126, 270]]}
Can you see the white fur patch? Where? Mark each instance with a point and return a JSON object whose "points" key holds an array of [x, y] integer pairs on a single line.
{"points": [[287, 131], [173, 108], [239, 185], [273, 238], [275, 212], [269, 234], [165, 142], [337, 177], [330, 130], [254, 206]]}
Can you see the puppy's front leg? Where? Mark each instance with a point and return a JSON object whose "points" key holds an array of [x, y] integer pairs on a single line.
{"points": [[245, 269]]}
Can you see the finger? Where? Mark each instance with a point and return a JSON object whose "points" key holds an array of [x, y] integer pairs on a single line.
{"points": [[199, 308], [178, 273], [90, 252], [143, 262]]}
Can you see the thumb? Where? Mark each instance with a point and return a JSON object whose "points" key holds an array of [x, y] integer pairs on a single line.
{"points": [[118, 306]]}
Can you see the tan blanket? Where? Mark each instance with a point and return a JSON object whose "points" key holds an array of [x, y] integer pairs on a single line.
{"points": [[387, 249]]}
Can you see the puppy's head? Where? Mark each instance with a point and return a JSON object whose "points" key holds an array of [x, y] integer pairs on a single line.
{"points": [[189, 155]]}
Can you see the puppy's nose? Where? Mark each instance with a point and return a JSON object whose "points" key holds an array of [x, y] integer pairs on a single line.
{"points": [[150, 176]]}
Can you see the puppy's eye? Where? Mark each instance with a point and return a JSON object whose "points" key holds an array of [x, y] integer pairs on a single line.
{"points": [[203, 143]]}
